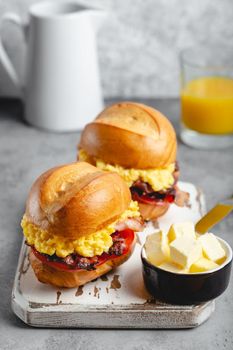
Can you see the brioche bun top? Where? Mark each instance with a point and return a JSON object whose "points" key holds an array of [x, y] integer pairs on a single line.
{"points": [[76, 199], [132, 135]]}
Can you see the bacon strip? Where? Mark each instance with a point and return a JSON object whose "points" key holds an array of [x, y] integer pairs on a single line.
{"points": [[142, 192], [135, 224]]}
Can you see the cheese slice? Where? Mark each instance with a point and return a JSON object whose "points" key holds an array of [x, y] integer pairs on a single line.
{"points": [[157, 248], [185, 251], [203, 265], [181, 229], [211, 247]]}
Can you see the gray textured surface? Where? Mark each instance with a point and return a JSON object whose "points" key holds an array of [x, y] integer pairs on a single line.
{"points": [[140, 40], [24, 154]]}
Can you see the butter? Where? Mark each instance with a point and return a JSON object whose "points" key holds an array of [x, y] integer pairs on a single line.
{"points": [[203, 265], [157, 248], [165, 244], [185, 251], [169, 266], [181, 229], [182, 250], [211, 247]]}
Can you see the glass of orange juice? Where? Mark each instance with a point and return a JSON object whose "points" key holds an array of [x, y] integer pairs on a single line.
{"points": [[207, 97]]}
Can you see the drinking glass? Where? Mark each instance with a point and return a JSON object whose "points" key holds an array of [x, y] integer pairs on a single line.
{"points": [[207, 97]]}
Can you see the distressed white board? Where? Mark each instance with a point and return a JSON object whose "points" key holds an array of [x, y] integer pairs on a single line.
{"points": [[117, 300]]}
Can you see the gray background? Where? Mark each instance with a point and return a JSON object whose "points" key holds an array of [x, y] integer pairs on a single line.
{"points": [[138, 47], [139, 42]]}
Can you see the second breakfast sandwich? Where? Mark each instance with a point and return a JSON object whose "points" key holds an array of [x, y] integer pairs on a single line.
{"points": [[79, 223], [139, 143]]}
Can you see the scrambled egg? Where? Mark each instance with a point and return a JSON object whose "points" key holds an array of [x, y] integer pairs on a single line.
{"points": [[160, 179], [88, 246]]}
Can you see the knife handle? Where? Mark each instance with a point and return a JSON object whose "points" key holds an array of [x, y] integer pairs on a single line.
{"points": [[214, 216]]}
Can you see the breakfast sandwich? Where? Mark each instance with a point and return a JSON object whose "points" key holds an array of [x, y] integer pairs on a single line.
{"points": [[80, 223], [138, 143]]}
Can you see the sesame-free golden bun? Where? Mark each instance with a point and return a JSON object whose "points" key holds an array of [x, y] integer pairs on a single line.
{"points": [[132, 135], [76, 199], [153, 211], [70, 279]]}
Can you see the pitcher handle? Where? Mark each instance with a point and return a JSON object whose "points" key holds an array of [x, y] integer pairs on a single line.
{"points": [[4, 57]]}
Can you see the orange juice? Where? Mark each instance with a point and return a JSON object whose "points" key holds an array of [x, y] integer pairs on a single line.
{"points": [[207, 105]]}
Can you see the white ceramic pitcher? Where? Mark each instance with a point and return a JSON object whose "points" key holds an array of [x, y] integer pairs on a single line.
{"points": [[62, 87]]}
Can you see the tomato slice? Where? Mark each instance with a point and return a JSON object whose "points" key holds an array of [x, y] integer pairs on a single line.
{"points": [[126, 237], [149, 200]]}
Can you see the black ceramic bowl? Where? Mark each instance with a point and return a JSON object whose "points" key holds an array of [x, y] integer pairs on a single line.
{"points": [[193, 288]]}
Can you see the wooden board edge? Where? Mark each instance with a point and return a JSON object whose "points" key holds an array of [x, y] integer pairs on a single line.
{"points": [[135, 317]]}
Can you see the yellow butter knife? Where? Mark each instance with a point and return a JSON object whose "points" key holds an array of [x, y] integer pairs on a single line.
{"points": [[215, 215]]}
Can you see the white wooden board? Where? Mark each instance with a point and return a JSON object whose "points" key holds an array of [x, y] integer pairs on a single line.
{"points": [[117, 300]]}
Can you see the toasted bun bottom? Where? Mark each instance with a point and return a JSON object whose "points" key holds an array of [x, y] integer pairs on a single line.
{"points": [[70, 279], [153, 211]]}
